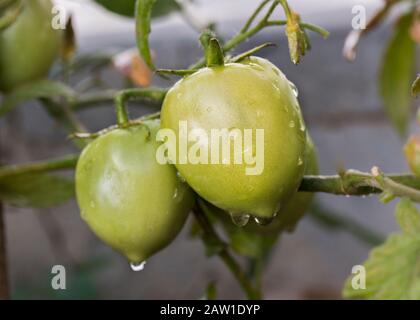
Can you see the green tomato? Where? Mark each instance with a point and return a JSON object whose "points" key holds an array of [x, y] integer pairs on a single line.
{"points": [[29, 46], [250, 95], [299, 203], [133, 203]]}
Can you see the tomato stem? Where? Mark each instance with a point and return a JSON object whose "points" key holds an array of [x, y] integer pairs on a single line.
{"points": [[236, 270], [214, 54], [135, 94]]}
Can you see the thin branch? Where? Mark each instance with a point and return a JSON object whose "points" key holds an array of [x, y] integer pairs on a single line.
{"points": [[144, 94], [331, 220], [356, 183], [93, 99], [253, 16], [392, 188], [68, 162], [226, 257]]}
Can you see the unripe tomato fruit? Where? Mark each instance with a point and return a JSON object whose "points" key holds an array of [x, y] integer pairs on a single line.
{"points": [[299, 203], [131, 202], [29, 46], [250, 95]]}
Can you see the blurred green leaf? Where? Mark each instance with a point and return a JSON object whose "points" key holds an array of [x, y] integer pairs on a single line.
{"points": [[35, 190], [393, 269], [396, 74], [127, 7], [249, 244], [39, 89], [408, 217]]}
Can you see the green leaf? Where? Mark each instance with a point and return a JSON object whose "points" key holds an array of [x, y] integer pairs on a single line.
{"points": [[415, 88], [38, 190], [127, 7], [143, 29], [408, 217], [396, 74], [393, 269], [34, 90], [121, 7]]}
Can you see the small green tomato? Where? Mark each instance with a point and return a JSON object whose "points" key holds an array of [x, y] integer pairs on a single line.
{"points": [[133, 203], [29, 46]]}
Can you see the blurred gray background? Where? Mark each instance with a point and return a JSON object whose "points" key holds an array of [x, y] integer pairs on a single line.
{"points": [[343, 113]]}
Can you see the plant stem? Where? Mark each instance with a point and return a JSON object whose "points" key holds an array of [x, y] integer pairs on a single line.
{"points": [[154, 94], [68, 162], [329, 219], [4, 281], [214, 54], [226, 257], [237, 39], [254, 15], [356, 183], [88, 100]]}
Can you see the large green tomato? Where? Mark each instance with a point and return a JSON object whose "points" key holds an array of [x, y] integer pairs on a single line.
{"points": [[251, 95], [131, 202], [29, 46]]}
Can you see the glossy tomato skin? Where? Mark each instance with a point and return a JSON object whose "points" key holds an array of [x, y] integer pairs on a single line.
{"points": [[293, 211], [133, 203], [29, 46], [246, 95]]}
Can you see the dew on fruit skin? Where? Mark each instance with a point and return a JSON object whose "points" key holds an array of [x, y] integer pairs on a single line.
{"points": [[240, 219], [263, 221], [294, 89], [300, 162], [276, 71], [175, 194], [137, 266], [180, 177], [292, 124], [92, 204], [302, 126], [276, 87]]}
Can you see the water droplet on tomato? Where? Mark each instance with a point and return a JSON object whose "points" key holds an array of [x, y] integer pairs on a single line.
{"points": [[137, 266], [300, 161], [263, 221], [292, 124], [294, 89], [240, 219], [180, 177], [175, 194]]}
